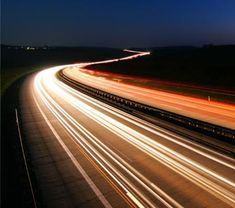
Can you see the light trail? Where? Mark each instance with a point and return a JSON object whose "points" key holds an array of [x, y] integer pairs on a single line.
{"points": [[47, 100], [210, 111], [202, 168], [113, 164], [75, 162], [147, 126]]}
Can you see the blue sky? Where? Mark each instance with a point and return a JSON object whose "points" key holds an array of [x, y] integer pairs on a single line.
{"points": [[121, 23]]}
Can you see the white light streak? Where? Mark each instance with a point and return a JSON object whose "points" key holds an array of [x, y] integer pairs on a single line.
{"points": [[114, 164]]}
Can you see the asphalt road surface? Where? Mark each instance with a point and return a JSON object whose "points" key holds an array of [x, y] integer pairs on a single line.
{"points": [[85, 153]]}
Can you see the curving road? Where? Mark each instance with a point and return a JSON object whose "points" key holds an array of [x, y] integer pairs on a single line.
{"points": [[217, 113], [88, 154]]}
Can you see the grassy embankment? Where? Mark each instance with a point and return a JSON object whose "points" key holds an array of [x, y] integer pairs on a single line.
{"points": [[18, 62], [199, 72]]}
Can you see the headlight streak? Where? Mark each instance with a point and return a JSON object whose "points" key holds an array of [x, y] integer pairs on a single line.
{"points": [[147, 145], [83, 142], [155, 152], [75, 162], [102, 118], [147, 126]]}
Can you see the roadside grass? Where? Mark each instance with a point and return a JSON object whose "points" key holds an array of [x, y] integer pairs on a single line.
{"points": [[10, 75]]}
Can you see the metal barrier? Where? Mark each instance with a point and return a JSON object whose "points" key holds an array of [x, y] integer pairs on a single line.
{"points": [[224, 134]]}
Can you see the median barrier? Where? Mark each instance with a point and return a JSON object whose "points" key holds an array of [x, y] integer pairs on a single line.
{"points": [[221, 133]]}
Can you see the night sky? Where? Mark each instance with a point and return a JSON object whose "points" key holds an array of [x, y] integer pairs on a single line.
{"points": [[120, 23]]}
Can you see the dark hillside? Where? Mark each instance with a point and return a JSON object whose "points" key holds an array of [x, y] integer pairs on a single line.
{"points": [[208, 66], [15, 56]]}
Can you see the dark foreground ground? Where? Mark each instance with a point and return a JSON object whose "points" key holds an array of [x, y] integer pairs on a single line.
{"points": [[15, 190], [212, 66]]}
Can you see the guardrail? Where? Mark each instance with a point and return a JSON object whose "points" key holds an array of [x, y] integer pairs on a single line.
{"points": [[221, 133]]}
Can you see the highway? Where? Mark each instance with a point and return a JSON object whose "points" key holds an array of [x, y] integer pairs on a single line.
{"points": [[217, 113], [89, 154]]}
